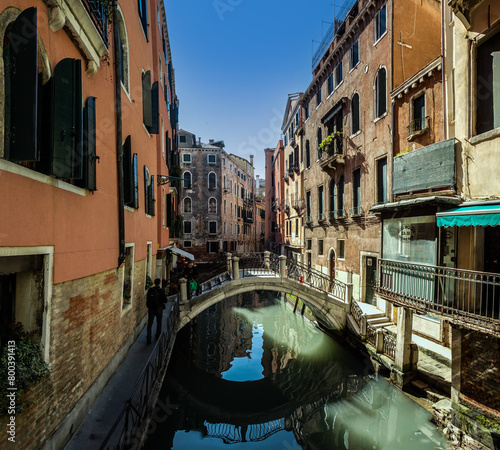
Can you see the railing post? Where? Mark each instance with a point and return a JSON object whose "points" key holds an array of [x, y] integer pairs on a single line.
{"points": [[401, 372], [363, 326], [267, 260], [282, 266], [380, 341], [229, 262], [349, 290], [236, 268]]}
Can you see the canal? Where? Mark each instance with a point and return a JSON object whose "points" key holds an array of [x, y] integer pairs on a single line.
{"points": [[251, 373]]}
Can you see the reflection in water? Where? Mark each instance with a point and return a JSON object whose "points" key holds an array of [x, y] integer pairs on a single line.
{"points": [[248, 372]]}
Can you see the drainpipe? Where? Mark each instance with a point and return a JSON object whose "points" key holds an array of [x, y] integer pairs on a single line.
{"points": [[443, 78], [119, 147]]}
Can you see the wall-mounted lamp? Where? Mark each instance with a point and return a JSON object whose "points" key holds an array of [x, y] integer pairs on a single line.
{"points": [[165, 179]]}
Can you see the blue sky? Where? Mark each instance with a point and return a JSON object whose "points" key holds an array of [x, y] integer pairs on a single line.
{"points": [[235, 63]]}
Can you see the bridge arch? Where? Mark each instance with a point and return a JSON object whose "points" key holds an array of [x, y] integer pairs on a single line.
{"points": [[329, 310]]}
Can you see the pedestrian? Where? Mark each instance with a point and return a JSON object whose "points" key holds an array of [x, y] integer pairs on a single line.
{"points": [[155, 301], [191, 275]]}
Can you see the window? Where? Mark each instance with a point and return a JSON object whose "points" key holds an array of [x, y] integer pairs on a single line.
{"points": [[212, 247], [211, 159], [488, 85], [143, 15], [150, 103], [330, 84], [418, 122], [212, 227], [188, 205], [187, 225], [338, 74], [380, 93], [309, 244], [382, 180], [308, 205], [341, 248], [380, 23], [212, 181], [306, 112], [318, 97], [182, 139], [224, 162], [212, 205], [123, 54], [186, 158], [187, 180], [225, 206], [149, 192], [340, 198], [332, 198], [320, 247], [354, 56], [355, 114], [320, 203], [128, 277], [356, 194], [188, 244], [319, 138], [130, 176], [308, 155]]}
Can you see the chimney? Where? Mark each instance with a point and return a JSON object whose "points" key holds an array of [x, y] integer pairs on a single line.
{"points": [[211, 141], [251, 160]]}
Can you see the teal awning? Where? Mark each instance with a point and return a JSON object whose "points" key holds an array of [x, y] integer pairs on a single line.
{"points": [[470, 216]]}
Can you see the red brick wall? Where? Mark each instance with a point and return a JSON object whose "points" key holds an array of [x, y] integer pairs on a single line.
{"points": [[481, 369], [87, 329]]}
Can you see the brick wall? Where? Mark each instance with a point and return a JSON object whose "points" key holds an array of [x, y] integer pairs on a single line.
{"points": [[481, 369], [87, 328]]}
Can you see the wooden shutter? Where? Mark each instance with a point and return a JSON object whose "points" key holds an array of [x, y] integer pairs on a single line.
{"points": [[67, 160], [146, 190], [155, 113], [136, 181], [21, 88], [143, 13], [169, 210], [146, 100], [89, 146], [128, 173], [152, 196]]}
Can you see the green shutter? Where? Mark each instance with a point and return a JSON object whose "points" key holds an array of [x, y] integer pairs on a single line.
{"points": [[21, 88], [146, 190], [128, 174], [136, 181], [146, 100], [155, 113], [152, 196], [67, 159], [89, 146]]}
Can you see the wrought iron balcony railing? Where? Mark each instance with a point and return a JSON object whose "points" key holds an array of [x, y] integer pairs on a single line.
{"points": [[463, 297], [356, 211], [97, 12], [418, 125], [340, 213]]}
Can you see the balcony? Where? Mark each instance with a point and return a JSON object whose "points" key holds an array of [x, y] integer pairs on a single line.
{"points": [[285, 177], [286, 207], [296, 169], [298, 203], [340, 214], [417, 127], [309, 220], [321, 218], [291, 173], [332, 155], [462, 297], [357, 211], [427, 169]]}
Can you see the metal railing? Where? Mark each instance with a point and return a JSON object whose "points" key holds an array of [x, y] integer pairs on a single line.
{"points": [[97, 13], [464, 297], [232, 434], [417, 125], [356, 313], [130, 425], [389, 347]]}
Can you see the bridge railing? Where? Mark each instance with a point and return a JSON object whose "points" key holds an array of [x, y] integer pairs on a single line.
{"points": [[129, 427], [232, 434]]}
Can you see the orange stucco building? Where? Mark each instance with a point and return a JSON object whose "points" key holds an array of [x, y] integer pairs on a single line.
{"points": [[88, 140]]}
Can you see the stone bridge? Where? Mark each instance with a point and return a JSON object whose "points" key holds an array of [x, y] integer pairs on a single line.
{"points": [[328, 299]]}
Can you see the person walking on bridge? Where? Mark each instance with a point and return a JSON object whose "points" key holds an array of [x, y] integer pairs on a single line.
{"points": [[155, 301]]}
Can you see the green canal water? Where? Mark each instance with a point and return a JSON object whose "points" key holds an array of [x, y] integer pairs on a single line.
{"points": [[250, 374]]}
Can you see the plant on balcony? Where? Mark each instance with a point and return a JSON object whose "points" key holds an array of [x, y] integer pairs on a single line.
{"points": [[328, 144]]}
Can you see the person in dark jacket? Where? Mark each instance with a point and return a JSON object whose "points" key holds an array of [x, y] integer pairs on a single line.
{"points": [[191, 275], [155, 301]]}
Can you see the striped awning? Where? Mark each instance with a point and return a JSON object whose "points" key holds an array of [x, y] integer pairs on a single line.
{"points": [[486, 215]]}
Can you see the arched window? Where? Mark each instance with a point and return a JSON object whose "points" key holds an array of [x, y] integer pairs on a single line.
{"points": [[380, 93], [123, 61], [188, 205], [355, 114], [212, 205], [187, 180], [212, 184]]}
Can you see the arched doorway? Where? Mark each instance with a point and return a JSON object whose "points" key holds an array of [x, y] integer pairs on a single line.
{"points": [[331, 264]]}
